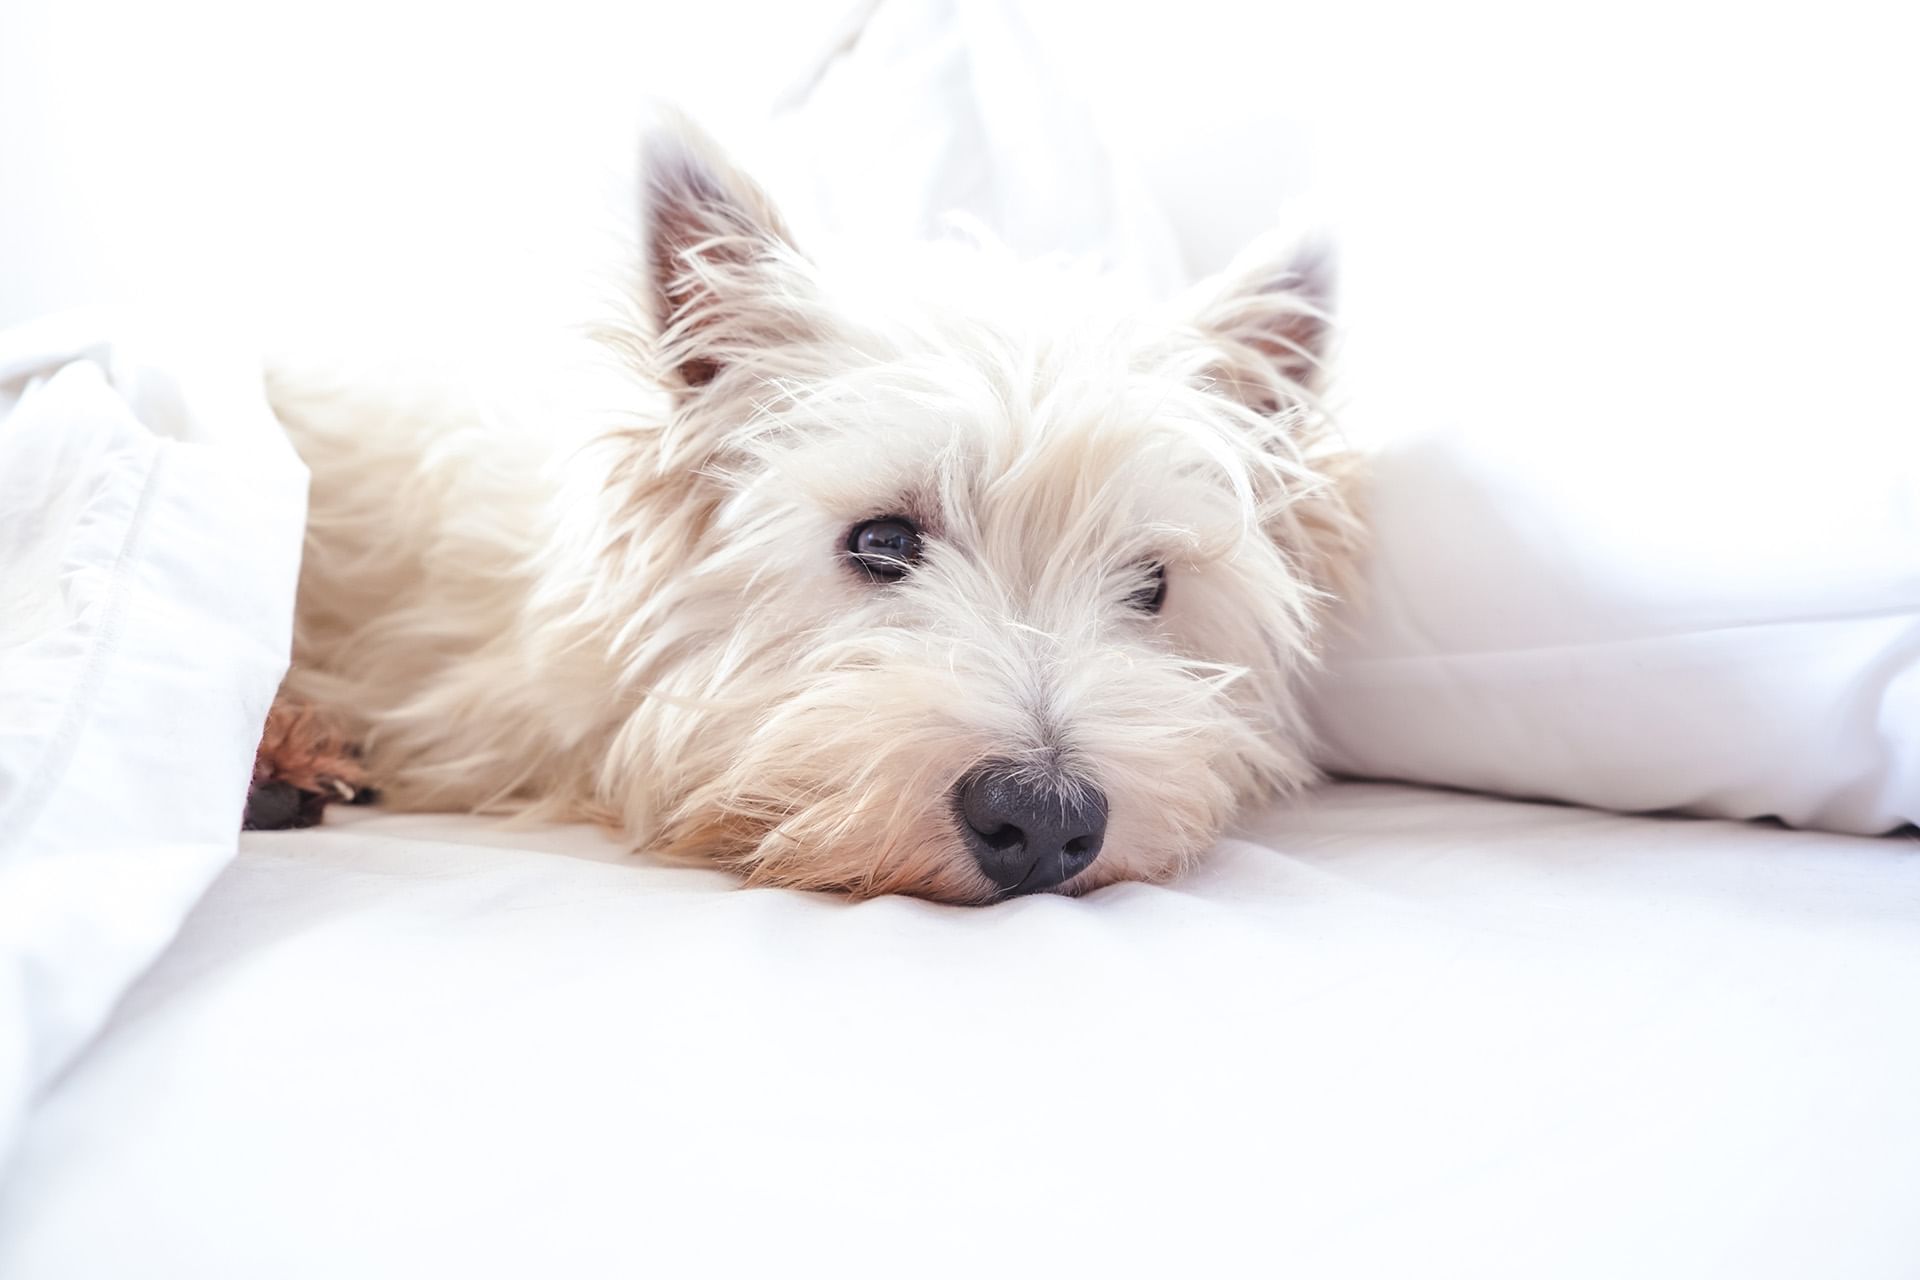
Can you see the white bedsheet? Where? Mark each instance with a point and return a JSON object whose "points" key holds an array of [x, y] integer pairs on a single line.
{"points": [[1388, 1032]]}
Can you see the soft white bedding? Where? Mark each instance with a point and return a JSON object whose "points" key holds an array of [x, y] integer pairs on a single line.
{"points": [[150, 518], [1387, 1032]]}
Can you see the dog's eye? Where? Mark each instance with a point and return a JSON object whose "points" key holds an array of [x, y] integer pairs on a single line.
{"points": [[885, 548], [1153, 594]]}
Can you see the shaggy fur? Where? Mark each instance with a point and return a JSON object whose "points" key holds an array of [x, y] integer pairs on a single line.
{"points": [[658, 626]]}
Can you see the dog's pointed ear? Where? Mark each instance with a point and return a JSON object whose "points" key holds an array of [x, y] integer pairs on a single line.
{"points": [[1266, 321], [1264, 327], [720, 267]]}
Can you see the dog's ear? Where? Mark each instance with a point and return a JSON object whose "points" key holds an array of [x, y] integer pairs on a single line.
{"points": [[720, 269], [1264, 328], [1266, 322]]}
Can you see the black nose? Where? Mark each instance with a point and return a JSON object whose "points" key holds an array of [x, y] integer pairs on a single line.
{"points": [[1029, 832]]}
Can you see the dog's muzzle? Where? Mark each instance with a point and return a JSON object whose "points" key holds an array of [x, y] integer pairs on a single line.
{"points": [[1029, 834]]}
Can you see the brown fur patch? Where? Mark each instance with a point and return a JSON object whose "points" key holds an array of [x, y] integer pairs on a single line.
{"points": [[301, 750]]}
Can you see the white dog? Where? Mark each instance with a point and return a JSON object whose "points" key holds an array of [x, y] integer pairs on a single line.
{"points": [[954, 578]]}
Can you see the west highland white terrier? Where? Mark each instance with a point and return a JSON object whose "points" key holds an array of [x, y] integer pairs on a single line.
{"points": [[949, 576]]}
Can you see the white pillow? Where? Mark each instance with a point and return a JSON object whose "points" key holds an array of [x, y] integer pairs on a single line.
{"points": [[150, 523], [1640, 626], [1640, 366]]}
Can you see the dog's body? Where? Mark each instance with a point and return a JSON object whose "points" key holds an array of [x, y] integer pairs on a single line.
{"points": [[962, 583]]}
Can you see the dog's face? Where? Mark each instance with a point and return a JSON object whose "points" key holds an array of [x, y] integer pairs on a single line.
{"points": [[966, 589]]}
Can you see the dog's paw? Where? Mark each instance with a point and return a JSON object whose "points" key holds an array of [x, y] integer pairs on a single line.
{"points": [[280, 806], [304, 764]]}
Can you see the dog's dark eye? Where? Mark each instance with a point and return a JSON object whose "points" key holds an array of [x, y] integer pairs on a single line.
{"points": [[1150, 597], [885, 548]]}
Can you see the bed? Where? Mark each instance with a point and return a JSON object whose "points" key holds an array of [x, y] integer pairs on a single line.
{"points": [[1386, 1031], [1467, 1028]]}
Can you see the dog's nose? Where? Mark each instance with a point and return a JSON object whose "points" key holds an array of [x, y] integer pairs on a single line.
{"points": [[1029, 833]]}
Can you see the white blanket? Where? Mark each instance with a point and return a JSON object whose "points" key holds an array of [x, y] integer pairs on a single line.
{"points": [[1388, 1033], [150, 518]]}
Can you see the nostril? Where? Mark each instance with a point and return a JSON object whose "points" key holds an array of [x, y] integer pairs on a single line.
{"points": [[1004, 837]]}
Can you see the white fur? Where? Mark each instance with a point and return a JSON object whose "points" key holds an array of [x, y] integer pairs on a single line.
{"points": [[657, 626]]}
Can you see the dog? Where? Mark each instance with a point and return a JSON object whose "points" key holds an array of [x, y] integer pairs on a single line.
{"points": [[950, 576]]}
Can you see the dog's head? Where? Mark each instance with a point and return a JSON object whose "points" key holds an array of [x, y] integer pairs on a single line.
{"points": [[955, 579]]}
